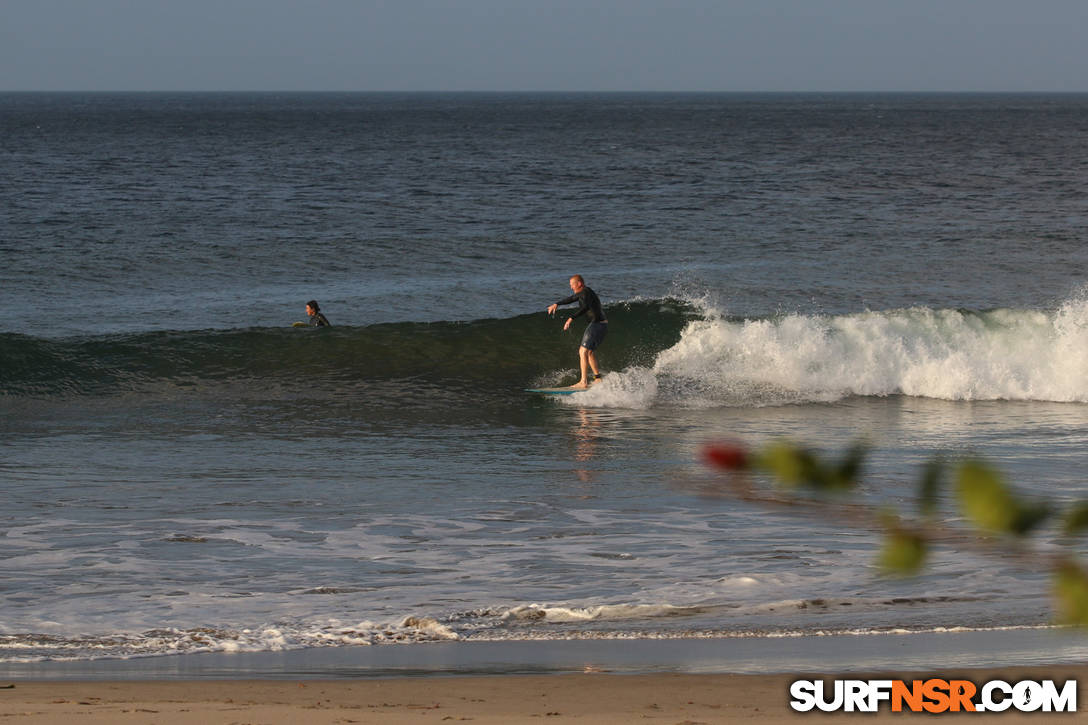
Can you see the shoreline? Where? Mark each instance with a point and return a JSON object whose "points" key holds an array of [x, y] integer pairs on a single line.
{"points": [[517, 683], [671, 699], [1023, 647]]}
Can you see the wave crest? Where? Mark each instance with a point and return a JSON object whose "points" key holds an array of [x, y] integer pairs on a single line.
{"points": [[946, 354], [660, 352]]}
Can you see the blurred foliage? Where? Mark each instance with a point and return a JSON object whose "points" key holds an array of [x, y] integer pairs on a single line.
{"points": [[992, 517]]}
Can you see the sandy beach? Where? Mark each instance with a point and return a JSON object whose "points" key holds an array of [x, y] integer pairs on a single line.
{"points": [[590, 697]]}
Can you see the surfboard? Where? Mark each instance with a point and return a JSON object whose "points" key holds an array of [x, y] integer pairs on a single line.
{"points": [[556, 391]]}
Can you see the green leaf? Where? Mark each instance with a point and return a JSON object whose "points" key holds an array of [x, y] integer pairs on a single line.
{"points": [[790, 464], [797, 467], [930, 488], [903, 553], [990, 504], [985, 499], [1076, 520], [849, 469], [1029, 517], [1071, 591]]}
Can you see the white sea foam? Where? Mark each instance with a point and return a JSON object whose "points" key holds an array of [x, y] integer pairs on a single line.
{"points": [[613, 612], [934, 353]]}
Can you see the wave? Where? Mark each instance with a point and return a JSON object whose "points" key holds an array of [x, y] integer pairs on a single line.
{"points": [[661, 352], [525, 623], [1003, 354], [505, 352]]}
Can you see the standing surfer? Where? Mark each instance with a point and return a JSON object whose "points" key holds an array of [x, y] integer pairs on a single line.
{"points": [[589, 305]]}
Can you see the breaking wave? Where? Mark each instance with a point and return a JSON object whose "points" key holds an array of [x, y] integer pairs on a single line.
{"points": [[1003, 354], [660, 352]]}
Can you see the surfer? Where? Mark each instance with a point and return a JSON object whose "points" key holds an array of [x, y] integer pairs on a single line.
{"points": [[589, 305], [316, 318]]}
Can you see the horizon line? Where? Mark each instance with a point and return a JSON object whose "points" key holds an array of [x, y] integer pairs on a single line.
{"points": [[551, 91]]}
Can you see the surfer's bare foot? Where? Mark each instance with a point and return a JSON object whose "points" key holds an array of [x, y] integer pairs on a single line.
{"points": [[581, 385]]}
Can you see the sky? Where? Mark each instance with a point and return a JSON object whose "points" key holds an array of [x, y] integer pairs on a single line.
{"points": [[543, 45]]}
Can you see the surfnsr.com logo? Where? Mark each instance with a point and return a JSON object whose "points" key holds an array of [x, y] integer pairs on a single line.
{"points": [[933, 696]]}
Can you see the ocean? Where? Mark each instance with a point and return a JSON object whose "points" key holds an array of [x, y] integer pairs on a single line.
{"points": [[183, 472]]}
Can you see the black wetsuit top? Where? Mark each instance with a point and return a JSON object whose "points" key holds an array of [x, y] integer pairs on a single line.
{"points": [[318, 320], [590, 305]]}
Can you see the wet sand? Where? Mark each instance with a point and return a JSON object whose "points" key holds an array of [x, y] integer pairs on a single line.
{"points": [[590, 697]]}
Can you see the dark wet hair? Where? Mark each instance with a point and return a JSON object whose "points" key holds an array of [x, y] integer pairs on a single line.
{"points": [[313, 303]]}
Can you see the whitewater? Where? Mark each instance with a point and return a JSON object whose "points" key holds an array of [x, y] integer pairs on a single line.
{"points": [[945, 354]]}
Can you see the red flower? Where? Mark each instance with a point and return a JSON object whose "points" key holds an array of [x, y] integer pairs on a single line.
{"points": [[731, 456]]}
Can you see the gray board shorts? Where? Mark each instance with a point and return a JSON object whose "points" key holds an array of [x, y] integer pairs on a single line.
{"points": [[594, 335]]}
